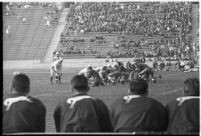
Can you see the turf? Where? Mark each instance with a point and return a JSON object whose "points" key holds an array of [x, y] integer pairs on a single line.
{"points": [[164, 90]]}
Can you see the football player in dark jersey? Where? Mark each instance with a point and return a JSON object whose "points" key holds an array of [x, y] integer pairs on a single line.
{"points": [[82, 112], [184, 112], [22, 112], [136, 112]]}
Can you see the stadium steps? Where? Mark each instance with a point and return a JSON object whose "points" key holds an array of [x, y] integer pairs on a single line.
{"points": [[28, 40]]}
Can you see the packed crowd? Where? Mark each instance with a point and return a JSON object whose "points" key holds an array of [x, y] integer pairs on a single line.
{"points": [[150, 18], [165, 47], [73, 50], [171, 20], [133, 113]]}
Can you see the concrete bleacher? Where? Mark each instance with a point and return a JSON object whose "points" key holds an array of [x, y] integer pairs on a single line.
{"points": [[101, 49], [28, 40]]}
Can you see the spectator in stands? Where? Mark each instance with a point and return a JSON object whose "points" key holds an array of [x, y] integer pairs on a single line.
{"points": [[183, 113], [111, 17], [82, 112], [7, 10], [8, 30], [48, 22], [21, 112], [136, 112], [24, 19]]}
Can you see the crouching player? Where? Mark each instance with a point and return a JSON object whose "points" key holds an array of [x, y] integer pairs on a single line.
{"points": [[56, 70], [91, 73], [148, 72], [103, 72]]}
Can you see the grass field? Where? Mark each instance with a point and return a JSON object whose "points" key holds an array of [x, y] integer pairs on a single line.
{"points": [[166, 89]]}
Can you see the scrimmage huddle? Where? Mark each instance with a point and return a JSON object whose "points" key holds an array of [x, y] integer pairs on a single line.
{"points": [[107, 75]]}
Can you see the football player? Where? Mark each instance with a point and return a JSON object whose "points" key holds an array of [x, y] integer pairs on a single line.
{"points": [[56, 70]]}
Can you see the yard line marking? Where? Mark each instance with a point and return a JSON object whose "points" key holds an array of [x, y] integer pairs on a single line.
{"points": [[46, 94], [173, 91], [49, 94], [169, 92]]}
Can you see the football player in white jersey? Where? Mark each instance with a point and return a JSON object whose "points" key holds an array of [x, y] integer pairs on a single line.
{"points": [[56, 70], [57, 57]]}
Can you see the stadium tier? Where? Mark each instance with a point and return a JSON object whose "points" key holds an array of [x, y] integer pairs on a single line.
{"points": [[116, 29], [125, 28], [29, 36]]}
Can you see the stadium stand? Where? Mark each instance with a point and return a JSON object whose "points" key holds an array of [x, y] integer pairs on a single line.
{"points": [[27, 40], [148, 29], [136, 20]]}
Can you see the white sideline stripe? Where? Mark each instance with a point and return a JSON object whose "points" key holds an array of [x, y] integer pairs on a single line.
{"points": [[169, 92], [49, 94], [46, 94]]}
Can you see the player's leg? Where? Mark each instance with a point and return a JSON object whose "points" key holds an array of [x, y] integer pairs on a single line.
{"points": [[111, 80], [57, 77], [124, 77], [151, 74], [95, 83], [51, 76], [103, 77]]}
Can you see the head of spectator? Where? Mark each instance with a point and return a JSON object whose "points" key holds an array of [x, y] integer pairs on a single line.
{"points": [[20, 84], [138, 87], [191, 87], [57, 54], [79, 84]]}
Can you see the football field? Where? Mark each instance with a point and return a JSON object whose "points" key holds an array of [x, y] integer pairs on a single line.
{"points": [[164, 90]]}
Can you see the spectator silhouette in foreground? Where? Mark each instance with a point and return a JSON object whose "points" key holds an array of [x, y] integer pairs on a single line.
{"points": [[21, 112], [136, 112], [183, 113], [82, 112]]}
